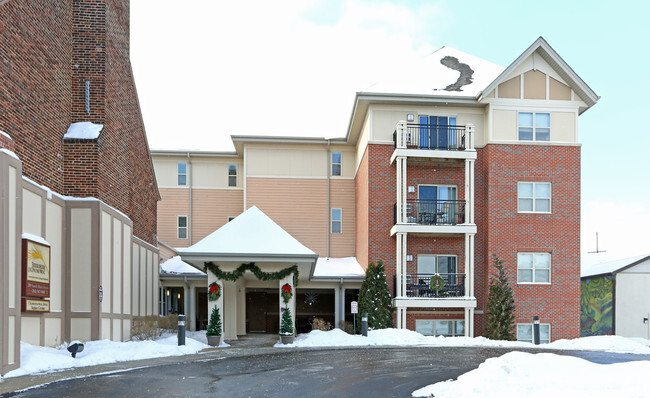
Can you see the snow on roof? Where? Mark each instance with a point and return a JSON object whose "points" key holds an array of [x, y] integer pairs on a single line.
{"points": [[446, 72], [177, 266], [35, 238], [8, 152], [610, 266], [83, 131], [250, 233], [5, 134], [344, 267]]}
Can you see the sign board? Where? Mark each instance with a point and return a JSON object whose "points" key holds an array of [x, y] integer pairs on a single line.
{"points": [[35, 305], [354, 307], [35, 269]]}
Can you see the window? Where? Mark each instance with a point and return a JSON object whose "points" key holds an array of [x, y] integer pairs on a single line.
{"points": [[232, 175], [436, 264], [336, 221], [437, 204], [435, 327], [534, 126], [533, 268], [182, 227], [534, 197], [336, 163], [525, 332], [182, 174]]}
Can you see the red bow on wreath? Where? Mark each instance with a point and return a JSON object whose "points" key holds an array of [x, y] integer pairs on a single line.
{"points": [[286, 289], [214, 289]]}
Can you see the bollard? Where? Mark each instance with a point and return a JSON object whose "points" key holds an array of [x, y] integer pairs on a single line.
{"points": [[181, 330], [364, 324], [536, 330]]}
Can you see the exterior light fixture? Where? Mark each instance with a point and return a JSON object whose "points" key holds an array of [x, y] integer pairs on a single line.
{"points": [[410, 117], [167, 292], [179, 296]]}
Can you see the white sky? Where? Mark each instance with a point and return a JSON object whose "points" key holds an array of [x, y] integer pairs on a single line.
{"points": [[205, 70]]}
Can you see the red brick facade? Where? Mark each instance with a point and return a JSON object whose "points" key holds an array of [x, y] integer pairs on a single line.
{"points": [[501, 230], [56, 46]]}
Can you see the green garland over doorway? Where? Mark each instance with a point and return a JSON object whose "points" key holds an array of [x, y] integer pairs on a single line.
{"points": [[261, 275]]}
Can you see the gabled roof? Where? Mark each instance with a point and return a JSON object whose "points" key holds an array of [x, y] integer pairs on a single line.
{"points": [[176, 266], [613, 267], [251, 236], [557, 63], [447, 72]]}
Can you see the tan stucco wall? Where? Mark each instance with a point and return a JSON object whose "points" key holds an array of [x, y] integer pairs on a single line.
{"points": [[534, 85], [505, 125], [32, 213], [81, 236], [563, 127], [105, 264], [558, 90], [202, 171], [510, 88], [54, 236]]}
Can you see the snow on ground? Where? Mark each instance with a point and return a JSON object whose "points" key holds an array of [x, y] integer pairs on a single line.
{"points": [[36, 359], [520, 374], [515, 373]]}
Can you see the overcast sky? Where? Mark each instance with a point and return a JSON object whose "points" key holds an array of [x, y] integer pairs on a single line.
{"points": [[208, 69]]}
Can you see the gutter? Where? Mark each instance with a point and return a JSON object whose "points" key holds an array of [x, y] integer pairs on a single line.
{"points": [[190, 220]]}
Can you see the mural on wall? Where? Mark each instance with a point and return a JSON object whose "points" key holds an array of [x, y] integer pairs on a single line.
{"points": [[596, 306]]}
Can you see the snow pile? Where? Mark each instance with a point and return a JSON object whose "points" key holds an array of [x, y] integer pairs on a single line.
{"points": [[83, 131], [519, 374], [35, 359], [403, 337]]}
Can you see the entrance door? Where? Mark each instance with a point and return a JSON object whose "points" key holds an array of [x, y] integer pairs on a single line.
{"points": [[262, 314]]}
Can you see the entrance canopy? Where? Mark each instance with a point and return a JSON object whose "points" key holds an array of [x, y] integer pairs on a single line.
{"points": [[251, 237]]}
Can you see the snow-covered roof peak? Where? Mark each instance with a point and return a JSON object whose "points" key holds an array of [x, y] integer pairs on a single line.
{"points": [[252, 233], [176, 266], [610, 266], [447, 72]]}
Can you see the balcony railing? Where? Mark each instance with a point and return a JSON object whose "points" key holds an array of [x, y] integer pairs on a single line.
{"points": [[429, 136], [432, 212], [419, 285]]}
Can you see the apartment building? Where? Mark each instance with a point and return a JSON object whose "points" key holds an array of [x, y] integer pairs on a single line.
{"points": [[78, 255], [442, 168]]}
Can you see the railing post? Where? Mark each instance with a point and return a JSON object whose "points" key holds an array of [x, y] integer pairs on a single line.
{"points": [[469, 141], [401, 134]]}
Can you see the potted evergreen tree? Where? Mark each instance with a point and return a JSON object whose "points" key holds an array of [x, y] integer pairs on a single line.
{"points": [[214, 328], [286, 323]]}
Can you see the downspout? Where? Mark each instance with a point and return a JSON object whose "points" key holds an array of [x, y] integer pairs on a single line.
{"points": [[329, 210], [188, 305], [189, 222]]}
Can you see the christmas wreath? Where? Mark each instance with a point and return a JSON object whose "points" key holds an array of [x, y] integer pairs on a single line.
{"points": [[214, 291], [286, 293], [437, 283]]}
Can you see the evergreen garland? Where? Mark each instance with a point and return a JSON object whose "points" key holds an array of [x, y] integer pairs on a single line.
{"points": [[286, 325], [374, 298], [261, 275], [500, 306], [214, 326]]}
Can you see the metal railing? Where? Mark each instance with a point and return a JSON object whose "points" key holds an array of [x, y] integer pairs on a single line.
{"points": [[419, 285], [432, 212], [429, 136]]}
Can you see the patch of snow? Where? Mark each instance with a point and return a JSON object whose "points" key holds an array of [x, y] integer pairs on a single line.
{"points": [[338, 268], [36, 239], [519, 374], [83, 131], [10, 153], [610, 266], [5, 134], [250, 233], [177, 266], [36, 359]]}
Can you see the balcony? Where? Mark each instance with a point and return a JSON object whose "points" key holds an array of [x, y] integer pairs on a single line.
{"points": [[433, 141], [432, 217], [420, 294]]}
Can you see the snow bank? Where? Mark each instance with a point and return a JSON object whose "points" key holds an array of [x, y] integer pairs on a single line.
{"points": [[519, 374], [35, 359]]}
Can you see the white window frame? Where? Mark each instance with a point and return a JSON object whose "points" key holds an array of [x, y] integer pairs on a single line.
{"points": [[534, 198], [232, 177], [419, 324], [534, 269], [534, 127], [179, 228], [339, 221], [339, 164], [544, 341], [179, 174]]}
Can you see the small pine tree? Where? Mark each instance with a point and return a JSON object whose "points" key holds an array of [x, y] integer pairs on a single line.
{"points": [[286, 326], [374, 298], [214, 326], [501, 306]]}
